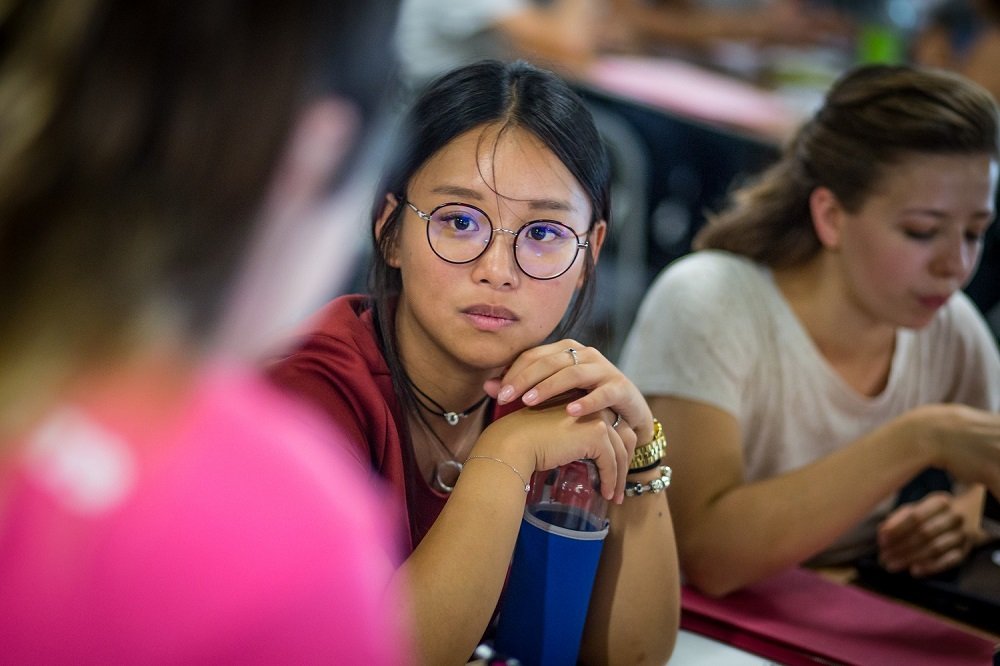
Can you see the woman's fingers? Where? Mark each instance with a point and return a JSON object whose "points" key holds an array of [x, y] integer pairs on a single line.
{"points": [[622, 457], [528, 374], [943, 553], [581, 377], [559, 438], [608, 468], [621, 396], [921, 534]]}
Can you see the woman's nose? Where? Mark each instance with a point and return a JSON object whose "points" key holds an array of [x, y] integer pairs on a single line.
{"points": [[956, 258], [497, 264]]}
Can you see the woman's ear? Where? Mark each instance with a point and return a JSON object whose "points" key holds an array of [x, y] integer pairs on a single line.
{"points": [[597, 236], [827, 217], [390, 204]]}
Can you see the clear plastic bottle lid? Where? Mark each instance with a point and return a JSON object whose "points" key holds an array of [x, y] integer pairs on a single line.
{"points": [[569, 497]]}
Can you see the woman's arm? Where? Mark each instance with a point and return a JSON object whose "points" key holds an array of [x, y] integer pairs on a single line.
{"points": [[635, 605], [455, 576], [731, 533], [682, 23]]}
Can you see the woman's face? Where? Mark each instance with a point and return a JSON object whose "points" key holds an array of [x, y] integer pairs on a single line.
{"points": [[483, 313], [918, 237]]}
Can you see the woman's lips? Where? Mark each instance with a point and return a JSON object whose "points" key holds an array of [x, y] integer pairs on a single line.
{"points": [[489, 317], [933, 302]]}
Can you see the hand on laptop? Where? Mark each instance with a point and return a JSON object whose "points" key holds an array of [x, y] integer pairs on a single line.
{"points": [[932, 534]]}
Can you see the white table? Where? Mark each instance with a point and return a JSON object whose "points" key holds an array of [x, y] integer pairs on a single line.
{"points": [[696, 650]]}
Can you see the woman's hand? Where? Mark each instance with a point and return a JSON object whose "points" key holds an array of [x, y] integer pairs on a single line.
{"points": [[961, 439], [926, 536], [547, 371], [551, 437]]}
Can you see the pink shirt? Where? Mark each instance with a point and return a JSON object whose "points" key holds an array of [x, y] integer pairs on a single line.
{"points": [[237, 534]]}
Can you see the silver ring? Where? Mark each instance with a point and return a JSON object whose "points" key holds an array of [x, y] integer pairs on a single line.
{"points": [[618, 419], [572, 352]]}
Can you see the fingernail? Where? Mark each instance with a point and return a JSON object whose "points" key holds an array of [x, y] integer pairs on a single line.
{"points": [[530, 397], [574, 408], [506, 393]]}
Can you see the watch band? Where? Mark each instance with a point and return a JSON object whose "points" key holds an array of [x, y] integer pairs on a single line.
{"points": [[649, 454]]}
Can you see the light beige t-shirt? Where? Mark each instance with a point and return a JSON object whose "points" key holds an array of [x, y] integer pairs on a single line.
{"points": [[714, 328]]}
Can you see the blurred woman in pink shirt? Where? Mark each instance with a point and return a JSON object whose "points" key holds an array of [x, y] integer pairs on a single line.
{"points": [[158, 502]]}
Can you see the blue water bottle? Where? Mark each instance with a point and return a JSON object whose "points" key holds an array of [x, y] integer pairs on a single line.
{"points": [[552, 571]]}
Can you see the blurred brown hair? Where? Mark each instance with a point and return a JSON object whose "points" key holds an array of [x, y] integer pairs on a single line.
{"points": [[873, 117], [138, 140]]}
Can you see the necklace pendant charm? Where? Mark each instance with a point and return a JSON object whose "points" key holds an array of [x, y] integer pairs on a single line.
{"points": [[452, 418], [446, 475]]}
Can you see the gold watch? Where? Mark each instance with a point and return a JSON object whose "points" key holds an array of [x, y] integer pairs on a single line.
{"points": [[649, 455]]}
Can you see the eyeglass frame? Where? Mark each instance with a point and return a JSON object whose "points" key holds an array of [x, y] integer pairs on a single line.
{"points": [[426, 217]]}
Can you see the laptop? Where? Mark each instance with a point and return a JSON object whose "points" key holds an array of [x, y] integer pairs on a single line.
{"points": [[969, 592]]}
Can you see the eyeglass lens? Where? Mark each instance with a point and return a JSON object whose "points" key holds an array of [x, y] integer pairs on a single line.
{"points": [[542, 248]]}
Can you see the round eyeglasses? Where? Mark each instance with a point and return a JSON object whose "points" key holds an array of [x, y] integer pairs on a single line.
{"points": [[460, 233]]}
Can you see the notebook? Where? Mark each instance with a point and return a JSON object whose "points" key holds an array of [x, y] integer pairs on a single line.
{"points": [[799, 617]]}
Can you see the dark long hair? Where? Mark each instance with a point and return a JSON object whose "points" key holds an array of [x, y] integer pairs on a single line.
{"points": [[874, 117], [512, 95]]}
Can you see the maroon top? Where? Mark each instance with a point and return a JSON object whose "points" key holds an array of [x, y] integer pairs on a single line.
{"points": [[339, 366]]}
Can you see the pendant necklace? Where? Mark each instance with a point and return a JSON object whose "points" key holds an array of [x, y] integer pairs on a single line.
{"points": [[451, 417], [446, 471]]}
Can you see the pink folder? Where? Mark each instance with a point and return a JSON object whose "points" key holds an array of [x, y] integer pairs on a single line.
{"points": [[799, 617], [695, 92]]}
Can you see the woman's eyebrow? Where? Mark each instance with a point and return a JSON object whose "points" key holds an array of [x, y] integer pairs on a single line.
{"points": [[458, 191], [533, 204], [550, 204], [936, 214]]}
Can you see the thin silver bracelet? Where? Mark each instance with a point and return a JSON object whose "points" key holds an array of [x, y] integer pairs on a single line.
{"points": [[634, 489], [527, 486]]}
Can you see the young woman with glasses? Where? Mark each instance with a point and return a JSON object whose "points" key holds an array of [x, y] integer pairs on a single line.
{"points": [[487, 227]]}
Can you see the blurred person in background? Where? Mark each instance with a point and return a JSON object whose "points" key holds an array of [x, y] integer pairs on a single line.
{"points": [[696, 27], [816, 353], [435, 36], [567, 35], [963, 36], [159, 503]]}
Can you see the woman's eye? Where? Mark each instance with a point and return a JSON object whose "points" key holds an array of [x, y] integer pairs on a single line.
{"points": [[919, 234], [461, 223], [545, 232]]}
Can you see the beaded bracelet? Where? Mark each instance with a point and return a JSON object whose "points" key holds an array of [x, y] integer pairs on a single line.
{"points": [[634, 489]]}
